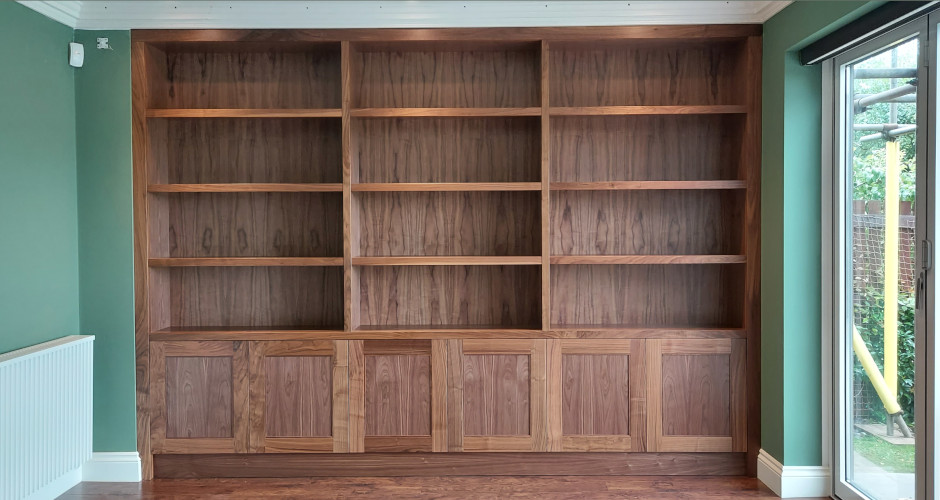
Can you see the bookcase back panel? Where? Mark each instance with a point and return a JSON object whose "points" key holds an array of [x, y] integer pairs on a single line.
{"points": [[256, 297], [255, 225], [678, 296], [405, 75], [448, 149], [658, 222], [450, 295], [646, 73], [645, 148], [225, 150], [453, 223], [248, 75]]}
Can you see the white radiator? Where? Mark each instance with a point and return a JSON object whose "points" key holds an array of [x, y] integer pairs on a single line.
{"points": [[45, 417]]}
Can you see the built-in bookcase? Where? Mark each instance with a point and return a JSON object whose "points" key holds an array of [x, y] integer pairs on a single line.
{"points": [[422, 226]]}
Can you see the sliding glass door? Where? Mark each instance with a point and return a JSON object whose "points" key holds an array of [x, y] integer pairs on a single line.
{"points": [[881, 266]]}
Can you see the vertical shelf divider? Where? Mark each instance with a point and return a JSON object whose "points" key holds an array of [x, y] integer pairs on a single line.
{"points": [[553, 351], [750, 170]]}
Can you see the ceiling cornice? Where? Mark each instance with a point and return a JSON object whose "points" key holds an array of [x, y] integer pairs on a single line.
{"points": [[66, 12], [96, 14]]}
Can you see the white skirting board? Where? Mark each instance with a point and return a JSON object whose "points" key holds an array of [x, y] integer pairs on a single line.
{"points": [[112, 467], [793, 481]]}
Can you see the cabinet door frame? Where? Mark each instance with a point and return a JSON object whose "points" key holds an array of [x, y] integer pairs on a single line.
{"points": [[537, 439], [636, 381], [437, 440], [735, 349], [336, 350], [236, 350]]}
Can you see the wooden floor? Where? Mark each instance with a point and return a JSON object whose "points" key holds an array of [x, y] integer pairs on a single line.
{"points": [[543, 488]]}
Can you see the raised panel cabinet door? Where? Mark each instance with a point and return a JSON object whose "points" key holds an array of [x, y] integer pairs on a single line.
{"points": [[496, 395], [399, 392], [600, 390], [696, 395], [200, 397], [298, 396]]}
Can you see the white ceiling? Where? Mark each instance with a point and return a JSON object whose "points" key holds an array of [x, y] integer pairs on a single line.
{"points": [[94, 15]]}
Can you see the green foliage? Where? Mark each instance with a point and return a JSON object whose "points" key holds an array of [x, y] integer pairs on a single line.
{"points": [[869, 156], [869, 314]]}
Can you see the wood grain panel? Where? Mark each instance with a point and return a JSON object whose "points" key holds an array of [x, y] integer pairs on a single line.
{"points": [[255, 225], [249, 76], [298, 396], [399, 76], [596, 394], [466, 223], [438, 150], [256, 296], [646, 73], [450, 295], [453, 464], [647, 295], [751, 168], [439, 383], [638, 395], [455, 396], [198, 397], [141, 58], [696, 395], [496, 391], [398, 395], [645, 148], [647, 222], [249, 150]]}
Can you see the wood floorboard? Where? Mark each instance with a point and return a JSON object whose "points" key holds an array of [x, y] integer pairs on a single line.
{"points": [[479, 487]]}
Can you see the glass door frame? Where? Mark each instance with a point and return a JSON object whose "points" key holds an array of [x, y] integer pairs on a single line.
{"points": [[837, 244]]}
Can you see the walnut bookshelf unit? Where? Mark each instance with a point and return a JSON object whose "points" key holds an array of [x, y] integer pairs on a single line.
{"points": [[447, 251]]}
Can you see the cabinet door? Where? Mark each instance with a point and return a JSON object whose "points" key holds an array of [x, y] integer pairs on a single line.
{"points": [[298, 396], [397, 395], [601, 385], [200, 397], [496, 395], [696, 395]]}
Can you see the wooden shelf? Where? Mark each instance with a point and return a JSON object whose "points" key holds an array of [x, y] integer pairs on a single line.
{"points": [[647, 110], [470, 260], [446, 186], [418, 112], [648, 259], [244, 113], [244, 333], [493, 330], [640, 185], [246, 262], [247, 188], [625, 331]]}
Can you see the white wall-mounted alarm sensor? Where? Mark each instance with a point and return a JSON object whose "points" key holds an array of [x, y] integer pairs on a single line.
{"points": [[76, 54]]}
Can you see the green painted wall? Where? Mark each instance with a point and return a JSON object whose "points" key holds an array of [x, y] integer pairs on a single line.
{"points": [[790, 218], [38, 219], [65, 198], [106, 232]]}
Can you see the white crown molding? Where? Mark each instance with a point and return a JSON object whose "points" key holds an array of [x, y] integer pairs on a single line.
{"points": [[151, 14], [66, 12], [112, 467], [789, 481]]}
